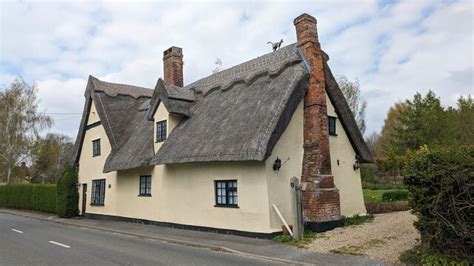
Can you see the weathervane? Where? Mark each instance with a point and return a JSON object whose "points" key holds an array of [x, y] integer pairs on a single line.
{"points": [[276, 45]]}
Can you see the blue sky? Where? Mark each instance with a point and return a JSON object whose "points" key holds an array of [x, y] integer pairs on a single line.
{"points": [[394, 48]]}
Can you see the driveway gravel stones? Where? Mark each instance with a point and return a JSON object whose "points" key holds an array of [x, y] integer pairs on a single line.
{"points": [[385, 238]]}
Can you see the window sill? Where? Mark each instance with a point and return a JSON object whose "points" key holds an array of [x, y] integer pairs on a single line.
{"points": [[144, 195], [95, 155], [97, 204], [160, 141], [334, 135], [227, 206]]}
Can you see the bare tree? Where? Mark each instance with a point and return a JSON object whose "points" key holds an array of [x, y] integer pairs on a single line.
{"points": [[49, 156], [20, 123], [357, 104]]}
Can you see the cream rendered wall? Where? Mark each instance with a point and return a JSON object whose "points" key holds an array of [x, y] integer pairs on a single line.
{"points": [[289, 149], [186, 194], [346, 179], [91, 167], [130, 204]]}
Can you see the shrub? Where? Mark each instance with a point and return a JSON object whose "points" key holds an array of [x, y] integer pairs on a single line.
{"points": [[420, 256], [441, 184], [67, 194], [29, 197], [395, 195]]}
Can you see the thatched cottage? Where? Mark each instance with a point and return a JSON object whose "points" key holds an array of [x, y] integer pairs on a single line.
{"points": [[216, 154]]}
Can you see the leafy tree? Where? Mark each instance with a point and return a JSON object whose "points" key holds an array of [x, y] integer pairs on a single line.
{"points": [[423, 122], [20, 123], [385, 143], [50, 156], [357, 104], [465, 121]]}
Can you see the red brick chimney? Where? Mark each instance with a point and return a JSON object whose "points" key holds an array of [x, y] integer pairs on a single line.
{"points": [[321, 205], [173, 66]]}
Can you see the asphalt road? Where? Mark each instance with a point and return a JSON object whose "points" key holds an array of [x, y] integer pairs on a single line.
{"points": [[34, 242]]}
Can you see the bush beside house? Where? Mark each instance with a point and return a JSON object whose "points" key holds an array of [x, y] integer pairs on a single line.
{"points": [[61, 199], [441, 184], [67, 194]]}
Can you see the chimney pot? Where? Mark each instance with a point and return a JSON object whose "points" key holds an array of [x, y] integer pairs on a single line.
{"points": [[173, 66]]}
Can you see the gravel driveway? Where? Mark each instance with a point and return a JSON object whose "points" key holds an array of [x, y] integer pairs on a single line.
{"points": [[384, 238]]}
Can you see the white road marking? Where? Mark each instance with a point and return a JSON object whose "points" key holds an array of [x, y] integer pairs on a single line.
{"points": [[59, 244], [18, 231]]}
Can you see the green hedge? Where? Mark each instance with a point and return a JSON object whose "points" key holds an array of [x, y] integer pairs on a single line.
{"points": [[29, 197], [68, 196], [441, 184], [395, 195]]}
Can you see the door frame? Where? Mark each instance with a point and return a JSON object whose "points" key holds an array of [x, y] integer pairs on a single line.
{"points": [[84, 199]]}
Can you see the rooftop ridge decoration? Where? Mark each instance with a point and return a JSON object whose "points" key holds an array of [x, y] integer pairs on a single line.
{"points": [[272, 71], [252, 66]]}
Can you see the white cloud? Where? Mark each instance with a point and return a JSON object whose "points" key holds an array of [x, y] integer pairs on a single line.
{"points": [[394, 49]]}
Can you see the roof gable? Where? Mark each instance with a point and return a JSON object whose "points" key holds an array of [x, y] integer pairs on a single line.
{"points": [[117, 106]]}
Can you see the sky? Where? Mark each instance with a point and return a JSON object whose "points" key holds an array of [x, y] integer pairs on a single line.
{"points": [[393, 48]]}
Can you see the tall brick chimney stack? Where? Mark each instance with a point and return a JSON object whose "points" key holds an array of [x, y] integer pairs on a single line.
{"points": [[321, 205], [173, 66]]}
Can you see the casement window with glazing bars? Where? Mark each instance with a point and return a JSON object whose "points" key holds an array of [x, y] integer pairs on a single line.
{"points": [[226, 193], [96, 147], [98, 192], [145, 185], [161, 131]]}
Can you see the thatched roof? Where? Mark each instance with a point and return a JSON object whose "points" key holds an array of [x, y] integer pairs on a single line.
{"points": [[118, 107], [237, 114]]}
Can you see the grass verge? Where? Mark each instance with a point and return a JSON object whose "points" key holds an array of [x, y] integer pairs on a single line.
{"points": [[307, 238], [358, 250], [356, 219], [376, 197]]}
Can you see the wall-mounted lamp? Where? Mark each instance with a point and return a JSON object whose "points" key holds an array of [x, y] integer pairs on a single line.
{"points": [[110, 186], [356, 163], [277, 164], [337, 161]]}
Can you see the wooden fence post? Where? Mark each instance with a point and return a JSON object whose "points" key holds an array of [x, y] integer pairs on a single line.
{"points": [[298, 227]]}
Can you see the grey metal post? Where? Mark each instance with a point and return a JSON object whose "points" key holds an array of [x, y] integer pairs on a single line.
{"points": [[298, 229]]}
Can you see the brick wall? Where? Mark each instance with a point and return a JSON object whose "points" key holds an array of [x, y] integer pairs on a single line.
{"points": [[173, 66], [320, 196]]}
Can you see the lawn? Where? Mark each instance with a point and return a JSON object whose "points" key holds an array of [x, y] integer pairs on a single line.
{"points": [[375, 197]]}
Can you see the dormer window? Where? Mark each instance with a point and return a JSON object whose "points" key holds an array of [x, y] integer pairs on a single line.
{"points": [[161, 131]]}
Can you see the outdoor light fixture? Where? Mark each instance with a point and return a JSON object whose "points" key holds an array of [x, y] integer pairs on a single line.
{"points": [[277, 164], [356, 163]]}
